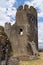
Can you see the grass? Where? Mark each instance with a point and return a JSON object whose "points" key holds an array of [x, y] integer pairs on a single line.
{"points": [[33, 62]]}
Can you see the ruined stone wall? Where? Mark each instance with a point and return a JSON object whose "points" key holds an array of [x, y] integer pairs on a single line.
{"points": [[24, 31], [33, 10], [8, 28]]}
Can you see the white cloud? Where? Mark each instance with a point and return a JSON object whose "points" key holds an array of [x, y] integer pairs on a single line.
{"points": [[11, 11], [40, 14], [40, 35], [40, 31], [6, 10], [38, 4], [7, 3]]}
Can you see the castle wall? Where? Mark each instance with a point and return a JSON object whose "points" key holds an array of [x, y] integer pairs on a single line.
{"points": [[24, 31], [8, 29]]}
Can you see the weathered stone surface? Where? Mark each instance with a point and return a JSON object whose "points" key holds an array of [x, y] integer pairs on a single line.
{"points": [[25, 29], [33, 10]]}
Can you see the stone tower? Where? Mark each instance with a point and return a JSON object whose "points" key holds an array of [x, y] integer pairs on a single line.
{"points": [[24, 33], [7, 28]]}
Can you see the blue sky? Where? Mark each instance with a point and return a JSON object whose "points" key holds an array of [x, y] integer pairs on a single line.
{"points": [[8, 10]]}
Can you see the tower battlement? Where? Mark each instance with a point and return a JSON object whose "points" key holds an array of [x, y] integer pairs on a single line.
{"points": [[7, 25]]}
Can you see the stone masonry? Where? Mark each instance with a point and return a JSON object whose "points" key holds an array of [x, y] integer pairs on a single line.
{"points": [[23, 35]]}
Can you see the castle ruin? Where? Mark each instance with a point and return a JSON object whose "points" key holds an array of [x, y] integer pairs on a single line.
{"points": [[23, 35]]}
